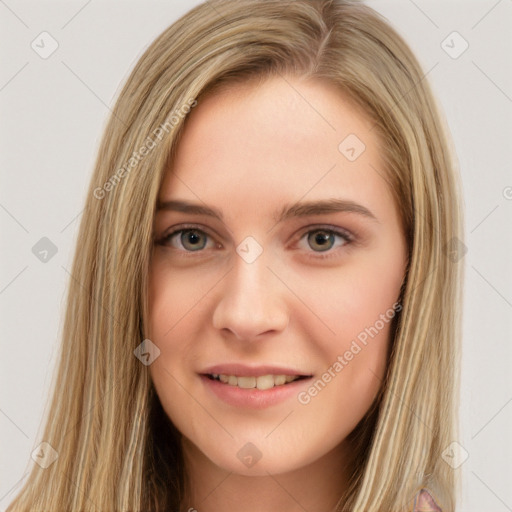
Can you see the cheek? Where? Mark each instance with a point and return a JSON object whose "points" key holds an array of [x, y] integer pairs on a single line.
{"points": [[172, 303], [355, 363], [349, 300], [174, 298], [358, 305]]}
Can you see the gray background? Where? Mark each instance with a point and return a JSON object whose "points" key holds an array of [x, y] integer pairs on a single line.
{"points": [[52, 115]]}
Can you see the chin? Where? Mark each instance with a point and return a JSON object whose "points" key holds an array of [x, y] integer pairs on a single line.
{"points": [[257, 458]]}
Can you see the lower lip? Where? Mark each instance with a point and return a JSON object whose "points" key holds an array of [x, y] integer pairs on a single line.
{"points": [[254, 398]]}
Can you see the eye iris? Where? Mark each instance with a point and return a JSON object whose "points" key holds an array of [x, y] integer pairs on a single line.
{"points": [[193, 240], [321, 240]]}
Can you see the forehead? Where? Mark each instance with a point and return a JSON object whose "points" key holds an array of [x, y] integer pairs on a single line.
{"points": [[279, 140]]}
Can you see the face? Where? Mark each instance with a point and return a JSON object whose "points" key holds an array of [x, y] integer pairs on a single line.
{"points": [[277, 264]]}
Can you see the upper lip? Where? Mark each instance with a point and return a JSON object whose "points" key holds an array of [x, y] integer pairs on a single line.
{"points": [[242, 370]]}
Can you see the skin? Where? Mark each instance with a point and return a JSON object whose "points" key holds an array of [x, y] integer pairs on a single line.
{"points": [[249, 151], [424, 502]]}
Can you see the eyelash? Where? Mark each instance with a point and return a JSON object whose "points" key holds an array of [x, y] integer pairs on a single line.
{"points": [[347, 237]]}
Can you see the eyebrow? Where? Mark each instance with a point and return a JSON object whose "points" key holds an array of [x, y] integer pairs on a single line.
{"points": [[304, 209], [299, 209], [188, 207]]}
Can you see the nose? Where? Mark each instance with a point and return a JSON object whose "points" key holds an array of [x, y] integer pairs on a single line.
{"points": [[251, 302]]}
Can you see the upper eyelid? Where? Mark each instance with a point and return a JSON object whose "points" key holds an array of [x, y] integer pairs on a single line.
{"points": [[184, 227], [327, 227], [174, 231], [306, 229], [338, 231]]}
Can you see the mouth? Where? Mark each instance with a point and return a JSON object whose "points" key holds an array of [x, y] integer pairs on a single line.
{"points": [[247, 387], [261, 382]]}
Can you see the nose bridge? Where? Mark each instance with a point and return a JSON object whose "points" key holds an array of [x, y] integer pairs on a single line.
{"points": [[251, 301]]}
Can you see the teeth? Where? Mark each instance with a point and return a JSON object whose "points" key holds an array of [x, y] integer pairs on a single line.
{"points": [[246, 382], [279, 380], [266, 381], [262, 382]]}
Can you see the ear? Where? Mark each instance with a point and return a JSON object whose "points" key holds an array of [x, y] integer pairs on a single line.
{"points": [[424, 502]]}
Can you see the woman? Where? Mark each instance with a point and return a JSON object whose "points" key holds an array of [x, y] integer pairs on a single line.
{"points": [[264, 310]]}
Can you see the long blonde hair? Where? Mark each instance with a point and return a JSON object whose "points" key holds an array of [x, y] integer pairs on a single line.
{"points": [[116, 448]]}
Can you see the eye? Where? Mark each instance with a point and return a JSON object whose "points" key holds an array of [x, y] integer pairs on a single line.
{"points": [[322, 239], [188, 239]]}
